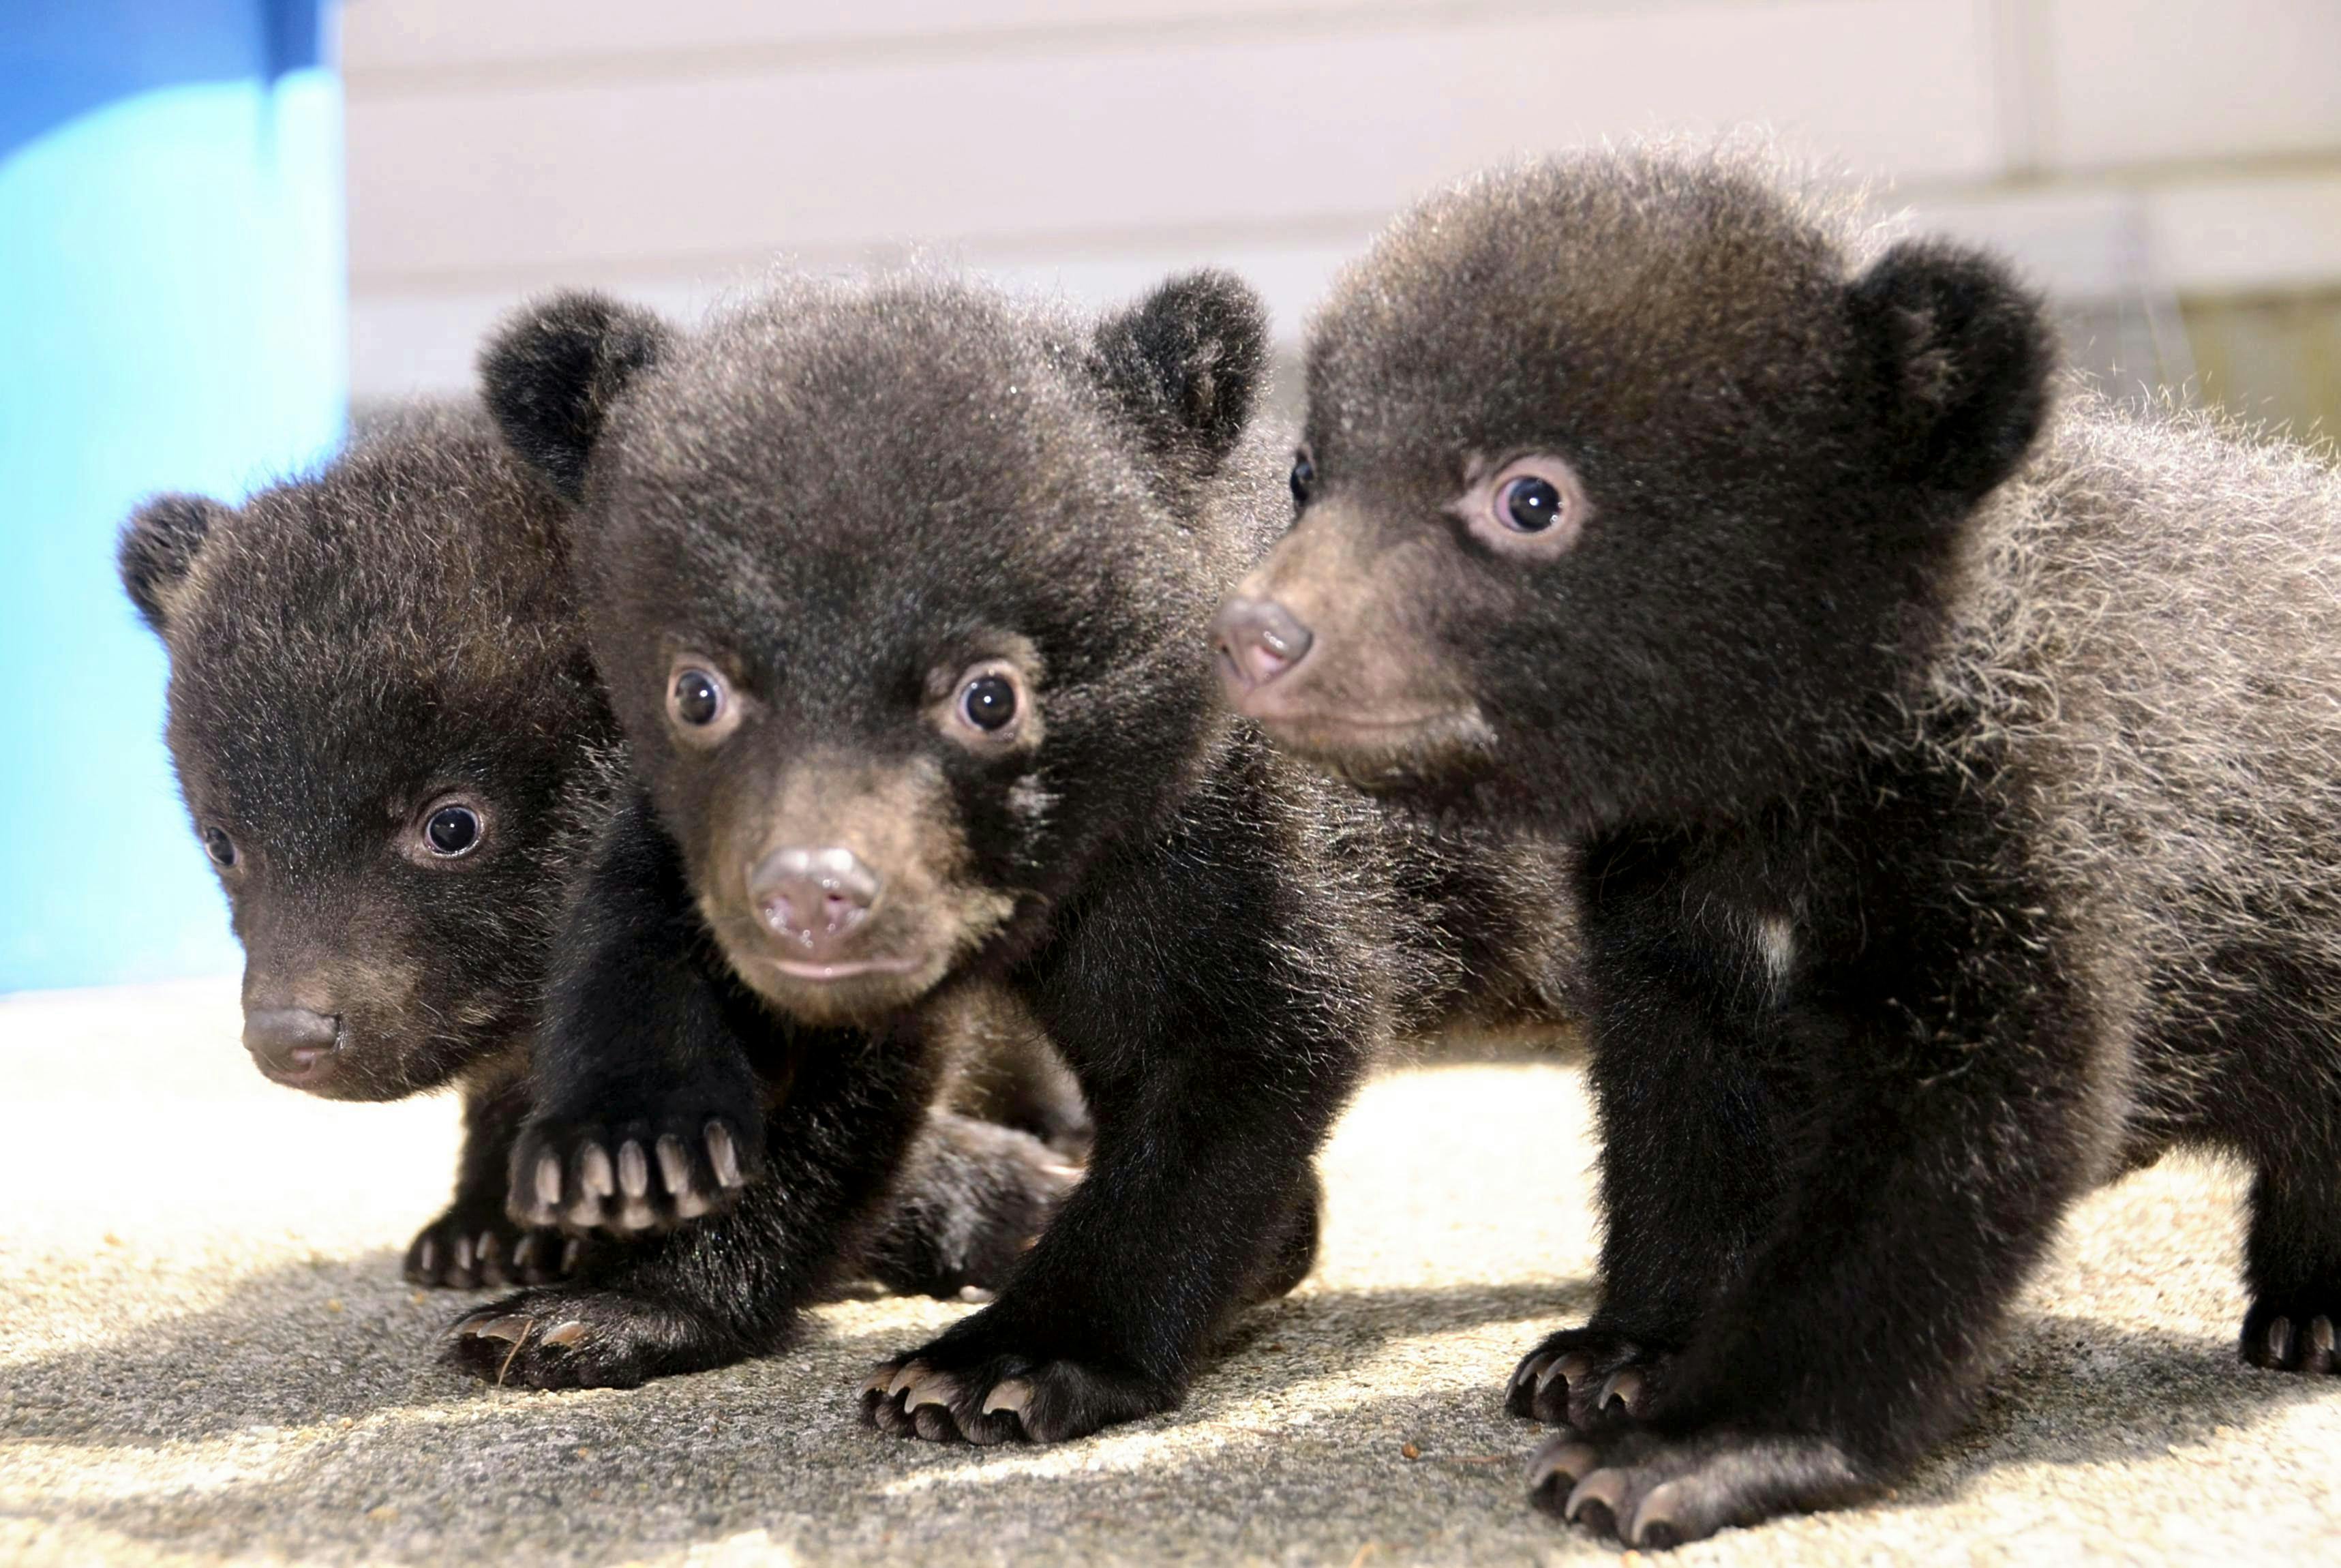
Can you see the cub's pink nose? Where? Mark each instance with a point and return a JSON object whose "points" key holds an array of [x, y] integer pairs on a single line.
{"points": [[289, 1041], [814, 898], [1259, 640]]}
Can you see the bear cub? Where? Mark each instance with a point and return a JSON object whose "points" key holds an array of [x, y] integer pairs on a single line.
{"points": [[395, 751], [1954, 770], [902, 591]]}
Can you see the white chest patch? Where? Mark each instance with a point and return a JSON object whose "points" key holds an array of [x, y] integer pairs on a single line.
{"points": [[1028, 801], [1776, 949]]}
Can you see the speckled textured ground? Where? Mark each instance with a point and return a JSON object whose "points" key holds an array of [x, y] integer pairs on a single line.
{"points": [[208, 1356]]}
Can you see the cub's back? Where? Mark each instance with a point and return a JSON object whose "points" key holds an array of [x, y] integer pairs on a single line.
{"points": [[2153, 623]]}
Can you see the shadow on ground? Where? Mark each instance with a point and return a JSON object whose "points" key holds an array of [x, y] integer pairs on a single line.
{"points": [[304, 1414]]}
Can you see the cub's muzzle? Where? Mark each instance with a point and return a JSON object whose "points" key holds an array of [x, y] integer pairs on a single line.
{"points": [[1259, 640], [289, 1041], [813, 899]]}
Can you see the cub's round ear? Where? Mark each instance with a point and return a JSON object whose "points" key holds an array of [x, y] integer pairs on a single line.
{"points": [[550, 374], [1186, 362], [159, 544], [1959, 356]]}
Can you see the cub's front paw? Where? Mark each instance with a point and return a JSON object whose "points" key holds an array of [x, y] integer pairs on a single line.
{"points": [[583, 1339], [644, 1173], [1653, 1493], [970, 1392], [2294, 1333], [465, 1249], [1592, 1380]]}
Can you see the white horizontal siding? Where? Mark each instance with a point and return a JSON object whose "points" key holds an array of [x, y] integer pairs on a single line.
{"points": [[443, 38], [2143, 82], [2251, 236], [405, 343], [1116, 142], [1085, 147]]}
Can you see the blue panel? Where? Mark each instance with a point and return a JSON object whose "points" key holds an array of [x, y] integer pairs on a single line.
{"points": [[172, 316], [59, 59]]}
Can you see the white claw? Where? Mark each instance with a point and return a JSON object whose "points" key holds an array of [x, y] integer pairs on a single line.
{"points": [[512, 1328], [548, 1182], [1658, 1508], [633, 1170], [1561, 1457], [1010, 1396], [723, 1155], [674, 1165], [593, 1174], [1605, 1487], [911, 1371], [936, 1389]]}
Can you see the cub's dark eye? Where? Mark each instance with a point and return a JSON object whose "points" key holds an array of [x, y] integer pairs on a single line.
{"points": [[1533, 508], [991, 708], [451, 830], [219, 846], [699, 704], [1304, 478], [698, 697], [989, 702], [1530, 504]]}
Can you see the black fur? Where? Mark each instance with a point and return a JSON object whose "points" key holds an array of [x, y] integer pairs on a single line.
{"points": [[1906, 868], [347, 651], [159, 544], [1187, 362], [549, 381], [842, 501]]}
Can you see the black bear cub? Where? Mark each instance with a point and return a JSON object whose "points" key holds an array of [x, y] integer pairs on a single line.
{"points": [[1956, 779], [390, 739], [395, 750], [902, 591]]}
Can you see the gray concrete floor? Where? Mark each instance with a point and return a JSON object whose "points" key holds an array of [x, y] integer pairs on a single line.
{"points": [[208, 1356]]}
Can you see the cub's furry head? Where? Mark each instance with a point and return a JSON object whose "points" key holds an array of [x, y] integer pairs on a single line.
{"points": [[386, 731], [900, 590], [1621, 484]]}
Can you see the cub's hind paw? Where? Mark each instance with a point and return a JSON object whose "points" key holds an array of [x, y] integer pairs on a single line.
{"points": [[969, 1212], [648, 1174], [1590, 1380], [583, 1339], [463, 1251], [1653, 1493], [2293, 1335], [945, 1397]]}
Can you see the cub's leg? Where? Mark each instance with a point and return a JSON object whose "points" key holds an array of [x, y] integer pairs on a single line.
{"points": [[1691, 1174], [732, 1284], [2292, 1262], [1213, 1066], [1950, 1112], [2252, 1063], [654, 1063]]}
